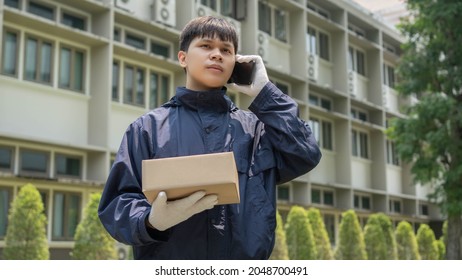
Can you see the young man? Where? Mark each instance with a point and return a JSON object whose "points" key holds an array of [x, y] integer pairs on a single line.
{"points": [[271, 145]]}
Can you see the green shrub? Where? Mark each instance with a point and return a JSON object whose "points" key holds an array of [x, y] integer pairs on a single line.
{"points": [[428, 248], [406, 242], [300, 239], [351, 244], [321, 238]]}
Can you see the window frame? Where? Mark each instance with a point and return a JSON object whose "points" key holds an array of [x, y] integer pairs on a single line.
{"points": [[354, 63], [320, 134], [322, 196], [40, 4], [16, 52], [12, 159], [269, 24], [361, 199], [72, 83], [316, 33], [134, 89], [66, 235], [39, 61], [357, 138], [68, 156], [392, 155], [7, 205], [75, 15], [44, 174]]}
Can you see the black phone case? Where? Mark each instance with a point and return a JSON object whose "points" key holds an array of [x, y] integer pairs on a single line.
{"points": [[243, 73]]}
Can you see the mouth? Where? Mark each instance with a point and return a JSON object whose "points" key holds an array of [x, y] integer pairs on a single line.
{"points": [[215, 67]]}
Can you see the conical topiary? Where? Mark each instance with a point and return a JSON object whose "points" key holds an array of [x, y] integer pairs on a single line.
{"points": [[300, 239], [26, 236], [428, 248], [351, 244], [323, 247], [92, 241], [406, 242]]}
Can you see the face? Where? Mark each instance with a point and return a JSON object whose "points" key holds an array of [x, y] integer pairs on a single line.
{"points": [[208, 63]]}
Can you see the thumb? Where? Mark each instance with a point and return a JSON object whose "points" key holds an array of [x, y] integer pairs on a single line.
{"points": [[161, 199]]}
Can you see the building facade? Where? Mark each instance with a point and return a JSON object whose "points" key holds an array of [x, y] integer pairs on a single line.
{"points": [[75, 74]]}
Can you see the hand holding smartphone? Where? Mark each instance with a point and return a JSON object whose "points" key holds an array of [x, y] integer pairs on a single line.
{"points": [[243, 73]]}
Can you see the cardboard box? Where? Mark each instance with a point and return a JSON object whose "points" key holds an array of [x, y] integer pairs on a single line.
{"points": [[181, 176]]}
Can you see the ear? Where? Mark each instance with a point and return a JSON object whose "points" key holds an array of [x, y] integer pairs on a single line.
{"points": [[182, 58]]}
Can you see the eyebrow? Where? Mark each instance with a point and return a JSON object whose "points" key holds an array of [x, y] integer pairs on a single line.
{"points": [[226, 43]]}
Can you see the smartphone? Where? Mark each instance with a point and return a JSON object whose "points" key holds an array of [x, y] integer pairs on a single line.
{"points": [[243, 73]]}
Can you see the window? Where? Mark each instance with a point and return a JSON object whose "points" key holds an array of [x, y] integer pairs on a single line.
{"points": [[389, 75], [12, 3], [134, 85], [160, 49], [360, 144], [115, 80], [322, 131], [325, 197], [423, 209], [283, 87], [329, 222], [158, 90], [135, 41], [38, 60], [41, 10], [117, 34], [317, 43], [320, 11], [395, 206], [359, 114], [284, 193], [73, 21], [68, 166], [71, 74], [34, 162], [10, 53], [392, 156], [356, 30], [212, 4], [356, 61], [273, 20], [362, 202], [6, 158], [66, 215], [320, 102], [5, 200]]}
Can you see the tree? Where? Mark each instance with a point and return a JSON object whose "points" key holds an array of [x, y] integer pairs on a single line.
{"points": [[351, 244], [26, 236], [431, 137], [300, 239], [406, 242], [374, 238], [321, 238], [92, 241], [280, 251], [428, 247]]}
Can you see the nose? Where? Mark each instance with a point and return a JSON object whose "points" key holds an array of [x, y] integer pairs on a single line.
{"points": [[215, 54]]}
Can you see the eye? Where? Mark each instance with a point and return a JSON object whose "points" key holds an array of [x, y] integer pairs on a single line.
{"points": [[227, 50], [205, 46]]}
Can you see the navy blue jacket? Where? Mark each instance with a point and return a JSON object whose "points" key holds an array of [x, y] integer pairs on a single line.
{"points": [[271, 145]]}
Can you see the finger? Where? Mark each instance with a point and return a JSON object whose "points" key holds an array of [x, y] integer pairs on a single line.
{"points": [[193, 198], [245, 58], [207, 202]]}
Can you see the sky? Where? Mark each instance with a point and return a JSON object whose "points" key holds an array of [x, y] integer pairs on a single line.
{"points": [[375, 5]]}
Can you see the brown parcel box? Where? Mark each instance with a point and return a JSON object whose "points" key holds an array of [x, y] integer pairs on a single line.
{"points": [[181, 176]]}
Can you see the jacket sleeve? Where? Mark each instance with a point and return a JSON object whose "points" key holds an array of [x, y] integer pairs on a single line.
{"points": [[123, 207], [296, 150]]}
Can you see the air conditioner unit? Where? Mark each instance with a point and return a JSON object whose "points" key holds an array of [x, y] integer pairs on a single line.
{"points": [[385, 96], [124, 5], [123, 251], [263, 45], [313, 66], [202, 10], [164, 11], [352, 83]]}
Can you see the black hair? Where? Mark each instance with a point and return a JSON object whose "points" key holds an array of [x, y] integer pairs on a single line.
{"points": [[208, 26]]}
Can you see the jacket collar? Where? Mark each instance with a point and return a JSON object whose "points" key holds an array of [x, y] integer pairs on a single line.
{"points": [[212, 100]]}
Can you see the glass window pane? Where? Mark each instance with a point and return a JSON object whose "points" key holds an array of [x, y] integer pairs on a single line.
{"points": [[58, 215], [160, 49], [65, 68], [140, 87], [351, 55], [12, 3], [40, 10], [323, 46], [10, 47], [354, 143], [280, 21], [153, 91], [327, 135], [316, 129], [316, 196], [45, 62], [31, 59], [115, 81], [6, 158], [73, 21], [73, 214], [68, 165], [5, 196], [283, 192], [264, 17], [135, 41], [366, 203], [33, 161], [311, 40], [356, 201], [326, 104], [329, 198], [361, 68], [128, 84], [78, 70], [364, 145]]}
